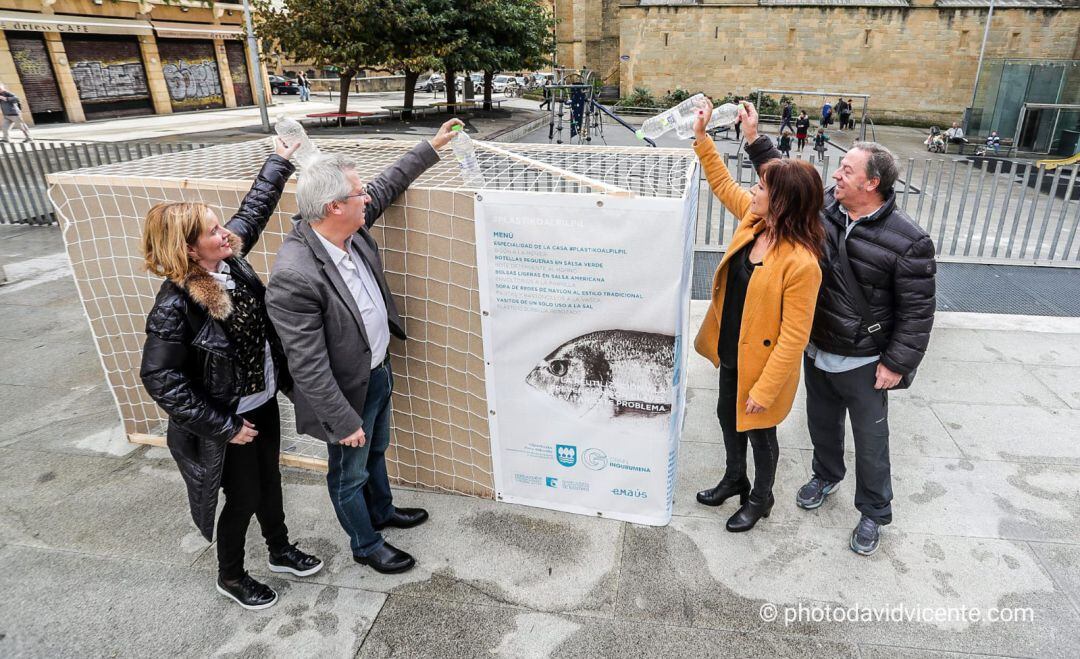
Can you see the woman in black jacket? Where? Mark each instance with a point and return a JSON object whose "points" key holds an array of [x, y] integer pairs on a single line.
{"points": [[213, 362]]}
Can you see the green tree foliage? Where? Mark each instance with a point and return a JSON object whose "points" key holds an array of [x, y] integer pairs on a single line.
{"points": [[398, 35]]}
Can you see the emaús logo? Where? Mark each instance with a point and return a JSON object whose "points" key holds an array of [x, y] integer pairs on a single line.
{"points": [[551, 482], [594, 458], [566, 454]]}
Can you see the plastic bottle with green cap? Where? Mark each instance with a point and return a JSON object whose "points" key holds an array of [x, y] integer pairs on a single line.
{"points": [[465, 154]]}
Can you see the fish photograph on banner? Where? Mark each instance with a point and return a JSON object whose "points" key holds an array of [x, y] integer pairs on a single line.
{"points": [[616, 374]]}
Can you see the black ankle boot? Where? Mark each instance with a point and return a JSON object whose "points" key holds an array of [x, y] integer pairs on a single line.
{"points": [[748, 515], [724, 490]]}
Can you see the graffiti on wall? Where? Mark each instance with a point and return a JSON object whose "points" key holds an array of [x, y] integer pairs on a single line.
{"points": [[109, 81], [193, 82]]}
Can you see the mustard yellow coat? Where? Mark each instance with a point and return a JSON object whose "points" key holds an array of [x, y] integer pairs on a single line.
{"points": [[779, 310]]}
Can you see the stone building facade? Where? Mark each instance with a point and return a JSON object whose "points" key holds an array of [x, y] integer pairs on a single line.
{"points": [[79, 60], [916, 58]]}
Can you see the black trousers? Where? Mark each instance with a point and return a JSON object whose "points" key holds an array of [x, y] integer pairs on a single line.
{"points": [[829, 398], [251, 480], [763, 441]]}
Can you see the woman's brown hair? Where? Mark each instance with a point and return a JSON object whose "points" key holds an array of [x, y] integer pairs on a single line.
{"points": [[795, 199], [170, 228]]}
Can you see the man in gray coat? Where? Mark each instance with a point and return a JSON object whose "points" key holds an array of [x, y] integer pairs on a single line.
{"points": [[330, 304]]}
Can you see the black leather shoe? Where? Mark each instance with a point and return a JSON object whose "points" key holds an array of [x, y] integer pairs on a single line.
{"points": [[294, 561], [404, 518], [724, 490], [248, 593], [748, 515], [387, 559]]}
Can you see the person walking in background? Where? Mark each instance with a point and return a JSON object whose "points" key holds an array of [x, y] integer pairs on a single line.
{"points": [[802, 128], [826, 114], [785, 143], [11, 109], [305, 86], [871, 328], [785, 118], [214, 364], [851, 114], [759, 319]]}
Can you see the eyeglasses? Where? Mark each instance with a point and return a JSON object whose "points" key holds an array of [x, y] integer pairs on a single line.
{"points": [[362, 193]]}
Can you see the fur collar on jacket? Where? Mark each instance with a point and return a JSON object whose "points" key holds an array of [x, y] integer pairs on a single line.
{"points": [[204, 289]]}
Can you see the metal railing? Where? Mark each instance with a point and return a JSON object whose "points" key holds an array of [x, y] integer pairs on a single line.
{"points": [[979, 210], [23, 167]]}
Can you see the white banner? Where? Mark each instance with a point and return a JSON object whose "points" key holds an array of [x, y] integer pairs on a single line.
{"points": [[586, 302]]}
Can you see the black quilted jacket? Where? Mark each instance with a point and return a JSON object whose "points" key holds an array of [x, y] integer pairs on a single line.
{"points": [[893, 261], [187, 361]]}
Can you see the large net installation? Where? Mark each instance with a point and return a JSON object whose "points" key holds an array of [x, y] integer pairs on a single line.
{"points": [[440, 419]]}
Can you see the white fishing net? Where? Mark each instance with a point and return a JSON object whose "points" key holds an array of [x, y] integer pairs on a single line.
{"points": [[428, 245]]}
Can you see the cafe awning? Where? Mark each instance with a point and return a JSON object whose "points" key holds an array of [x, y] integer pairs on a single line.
{"points": [[197, 31], [64, 23]]}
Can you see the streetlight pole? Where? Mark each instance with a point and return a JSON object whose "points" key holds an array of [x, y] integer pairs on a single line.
{"points": [[978, 69], [253, 65]]}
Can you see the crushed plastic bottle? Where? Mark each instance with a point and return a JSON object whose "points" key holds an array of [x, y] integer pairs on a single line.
{"points": [[291, 132], [465, 154], [681, 119], [724, 115]]}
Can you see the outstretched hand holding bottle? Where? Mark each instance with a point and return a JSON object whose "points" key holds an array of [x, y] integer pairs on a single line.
{"points": [[747, 116]]}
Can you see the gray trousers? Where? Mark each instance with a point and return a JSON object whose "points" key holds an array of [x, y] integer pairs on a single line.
{"points": [[10, 120], [829, 398]]}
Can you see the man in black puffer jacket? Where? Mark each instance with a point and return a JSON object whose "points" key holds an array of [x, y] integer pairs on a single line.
{"points": [[892, 260]]}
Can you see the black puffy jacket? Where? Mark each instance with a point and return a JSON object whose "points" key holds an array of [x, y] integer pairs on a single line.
{"points": [[893, 261], [187, 360]]}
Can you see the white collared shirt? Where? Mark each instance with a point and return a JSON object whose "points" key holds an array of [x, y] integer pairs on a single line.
{"points": [[367, 294], [248, 403]]}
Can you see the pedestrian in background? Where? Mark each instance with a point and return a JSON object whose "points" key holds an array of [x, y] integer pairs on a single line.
{"points": [[785, 143], [305, 86], [11, 108], [802, 128]]}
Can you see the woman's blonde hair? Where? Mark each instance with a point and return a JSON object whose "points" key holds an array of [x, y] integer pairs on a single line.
{"points": [[170, 228]]}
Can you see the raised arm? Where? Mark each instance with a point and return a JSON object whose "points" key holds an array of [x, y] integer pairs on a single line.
{"points": [[261, 200], [386, 187]]}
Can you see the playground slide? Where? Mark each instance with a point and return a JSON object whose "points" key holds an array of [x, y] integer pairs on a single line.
{"points": [[1053, 164]]}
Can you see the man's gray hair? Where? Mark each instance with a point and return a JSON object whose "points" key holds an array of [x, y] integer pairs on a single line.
{"points": [[321, 182], [880, 164]]}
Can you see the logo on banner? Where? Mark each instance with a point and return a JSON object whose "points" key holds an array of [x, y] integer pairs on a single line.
{"points": [[551, 482], [628, 492], [594, 458], [566, 454]]}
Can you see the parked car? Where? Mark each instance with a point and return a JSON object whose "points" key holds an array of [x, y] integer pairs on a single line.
{"points": [[477, 81], [430, 83], [280, 85], [499, 83]]}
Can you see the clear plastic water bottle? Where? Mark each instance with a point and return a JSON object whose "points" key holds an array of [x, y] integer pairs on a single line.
{"points": [[465, 154], [291, 132], [724, 115], [681, 118]]}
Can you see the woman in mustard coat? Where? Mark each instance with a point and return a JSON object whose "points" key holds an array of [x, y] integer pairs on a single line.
{"points": [[759, 321]]}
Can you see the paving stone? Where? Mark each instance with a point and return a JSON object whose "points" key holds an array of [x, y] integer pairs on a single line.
{"points": [[126, 607]]}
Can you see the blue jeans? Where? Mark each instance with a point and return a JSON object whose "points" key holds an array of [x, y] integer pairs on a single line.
{"points": [[357, 480], [305, 94]]}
